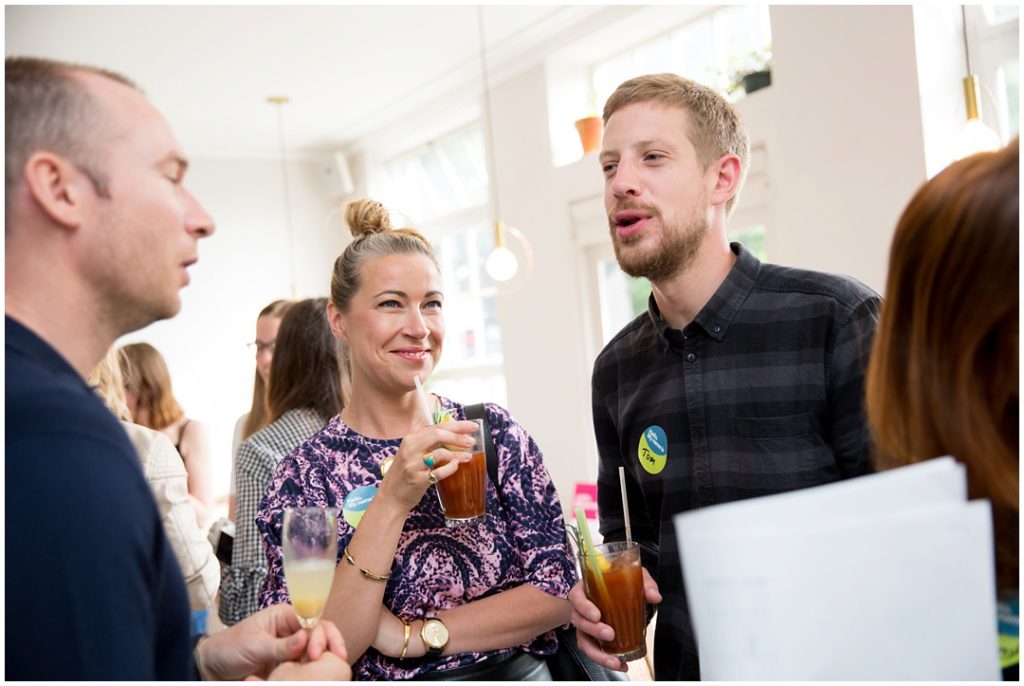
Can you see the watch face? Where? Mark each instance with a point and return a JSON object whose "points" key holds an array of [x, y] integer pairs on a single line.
{"points": [[435, 633]]}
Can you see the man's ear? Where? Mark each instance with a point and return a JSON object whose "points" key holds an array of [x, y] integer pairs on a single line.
{"points": [[58, 187], [337, 321], [727, 180]]}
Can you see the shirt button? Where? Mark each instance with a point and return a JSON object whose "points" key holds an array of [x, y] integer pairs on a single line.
{"points": [[690, 357], [718, 329]]}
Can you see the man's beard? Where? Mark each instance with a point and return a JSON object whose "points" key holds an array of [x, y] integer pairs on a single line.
{"points": [[676, 252]]}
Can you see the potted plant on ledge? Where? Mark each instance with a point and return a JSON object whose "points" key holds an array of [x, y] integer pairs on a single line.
{"points": [[751, 72]]}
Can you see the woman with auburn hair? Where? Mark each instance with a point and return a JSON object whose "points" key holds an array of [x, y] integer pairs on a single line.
{"points": [[147, 384], [307, 386], [944, 373], [268, 321]]}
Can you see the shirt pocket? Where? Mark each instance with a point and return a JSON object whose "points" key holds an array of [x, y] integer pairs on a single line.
{"points": [[781, 453], [773, 427]]}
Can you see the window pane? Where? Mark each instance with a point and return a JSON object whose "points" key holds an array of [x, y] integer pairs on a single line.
{"points": [[752, 238], [1011, 80], [709, 50], [997, 14], [622, 297], [439, 178]]}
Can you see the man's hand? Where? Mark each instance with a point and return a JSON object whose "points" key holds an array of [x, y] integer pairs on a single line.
{"points": [[589, 627], [259, 644], [329, 667]]}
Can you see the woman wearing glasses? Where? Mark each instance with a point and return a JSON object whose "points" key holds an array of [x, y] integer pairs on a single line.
{"points": [[267, 323]]}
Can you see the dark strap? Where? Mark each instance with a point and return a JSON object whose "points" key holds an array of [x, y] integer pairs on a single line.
{"points": [[569, 663], [478, 411]]}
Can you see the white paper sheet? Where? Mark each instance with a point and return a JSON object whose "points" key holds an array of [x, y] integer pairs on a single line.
{"points": [[888, 576]]}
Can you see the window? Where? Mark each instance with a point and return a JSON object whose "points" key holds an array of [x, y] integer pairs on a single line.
{"points": [[442, 188], [710, 47], [709, 50], [995, 47]]}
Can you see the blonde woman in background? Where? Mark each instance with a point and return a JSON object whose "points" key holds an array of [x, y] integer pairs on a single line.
{"points": [[166, 476], [151, 401], [267, 323]]}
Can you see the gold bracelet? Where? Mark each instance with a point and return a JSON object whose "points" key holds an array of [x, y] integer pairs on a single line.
{"points": [[405, 646], [365, 572]]}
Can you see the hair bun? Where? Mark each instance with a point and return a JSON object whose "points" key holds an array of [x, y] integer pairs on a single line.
{"points": [[366, 216]]}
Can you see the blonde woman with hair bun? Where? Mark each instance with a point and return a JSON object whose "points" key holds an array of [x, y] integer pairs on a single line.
{"points": [[414, 598]]}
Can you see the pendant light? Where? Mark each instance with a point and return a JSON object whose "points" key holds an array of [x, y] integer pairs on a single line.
{"points": [[502, 265], [975, 136]]}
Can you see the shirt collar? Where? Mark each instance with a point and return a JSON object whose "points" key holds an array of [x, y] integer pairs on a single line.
{"points": [[19, 338], [717, 314]]}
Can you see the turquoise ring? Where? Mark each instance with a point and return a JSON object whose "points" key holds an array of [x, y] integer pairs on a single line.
{"points": [[428, 460]]}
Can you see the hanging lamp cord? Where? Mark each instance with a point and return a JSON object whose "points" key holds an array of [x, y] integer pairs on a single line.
{"points": [[967, 48], [287, 196], [491, 164]]}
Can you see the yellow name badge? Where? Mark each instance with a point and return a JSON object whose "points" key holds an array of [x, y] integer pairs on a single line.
{"points": [[653, 449]]}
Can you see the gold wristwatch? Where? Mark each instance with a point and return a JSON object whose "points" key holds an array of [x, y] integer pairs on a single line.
{"points": [[435, 637]]}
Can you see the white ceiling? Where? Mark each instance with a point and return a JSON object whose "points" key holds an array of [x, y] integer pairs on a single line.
{"points": [[348, 70]]}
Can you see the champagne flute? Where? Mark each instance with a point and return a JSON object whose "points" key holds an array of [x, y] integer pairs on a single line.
{"points": [[310, 547]]}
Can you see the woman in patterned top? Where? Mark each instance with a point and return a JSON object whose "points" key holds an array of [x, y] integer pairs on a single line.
{"points": [[416, 599], [306, 387]]}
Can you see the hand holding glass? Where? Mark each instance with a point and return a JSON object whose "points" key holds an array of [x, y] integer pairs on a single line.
{"points": [[619, 595], [310, 547], [463, 495]]}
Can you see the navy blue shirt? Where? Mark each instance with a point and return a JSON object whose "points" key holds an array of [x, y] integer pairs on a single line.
{"points": [[92, 587]]}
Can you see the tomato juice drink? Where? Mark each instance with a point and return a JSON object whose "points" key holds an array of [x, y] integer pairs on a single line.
{"points": [[463, 495], [619, 595]]}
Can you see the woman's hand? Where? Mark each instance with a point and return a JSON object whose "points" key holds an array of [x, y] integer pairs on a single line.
{"points": [[409, 475]]}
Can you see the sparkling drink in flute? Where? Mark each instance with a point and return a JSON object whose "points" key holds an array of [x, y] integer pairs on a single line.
{"points": [[310, 547]]}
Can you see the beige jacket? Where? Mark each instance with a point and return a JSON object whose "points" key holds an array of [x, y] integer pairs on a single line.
{"points": [[165, 473]]}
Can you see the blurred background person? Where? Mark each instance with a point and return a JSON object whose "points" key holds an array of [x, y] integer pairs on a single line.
{"points": [[267, 323], [151, 401], [306, 389], [165, 474], [944, 373]]}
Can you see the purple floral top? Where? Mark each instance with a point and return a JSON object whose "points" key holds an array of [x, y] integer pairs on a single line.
{"points": [[435, 568]]}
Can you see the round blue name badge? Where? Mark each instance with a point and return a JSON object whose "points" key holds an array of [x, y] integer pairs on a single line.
{"points": [[355, 504], [652, 452]]}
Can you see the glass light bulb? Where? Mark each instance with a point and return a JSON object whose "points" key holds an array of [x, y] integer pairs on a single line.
{"points": [[975, 137], [501, 264]]}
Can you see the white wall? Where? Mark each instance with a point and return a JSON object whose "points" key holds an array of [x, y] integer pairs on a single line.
{"points": [[241, 268], [850, 147]]}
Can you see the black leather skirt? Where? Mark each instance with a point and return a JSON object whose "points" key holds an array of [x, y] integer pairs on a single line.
{"points": [[514, 666]]}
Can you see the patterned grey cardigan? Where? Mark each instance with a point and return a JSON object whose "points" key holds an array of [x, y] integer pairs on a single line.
{"points": [[258, 455]]}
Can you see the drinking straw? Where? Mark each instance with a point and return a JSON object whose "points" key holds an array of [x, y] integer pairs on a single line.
{"points": [[424, 405], [589, 553], [625, 506]]}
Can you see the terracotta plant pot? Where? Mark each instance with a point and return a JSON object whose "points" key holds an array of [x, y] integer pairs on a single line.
{"points": [[590, 129]]}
